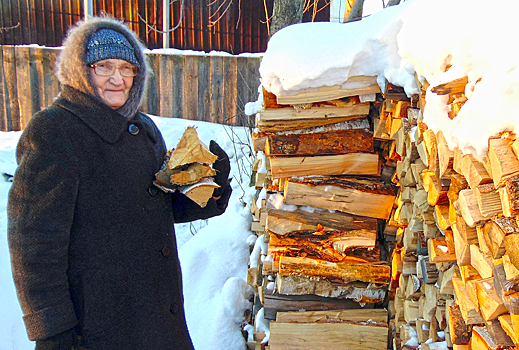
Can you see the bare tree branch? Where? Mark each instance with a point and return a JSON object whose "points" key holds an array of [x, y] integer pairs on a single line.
{"points": [[3, 29], [152, 26]]}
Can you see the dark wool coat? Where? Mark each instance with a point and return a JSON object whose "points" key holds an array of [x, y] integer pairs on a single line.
{"points": [[91, 239]]}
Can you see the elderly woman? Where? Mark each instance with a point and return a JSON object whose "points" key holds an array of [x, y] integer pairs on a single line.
{"points": [[91, 239]]}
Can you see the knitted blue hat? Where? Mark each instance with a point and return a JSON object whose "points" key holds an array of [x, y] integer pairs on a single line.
{"points": [[107, 44]]}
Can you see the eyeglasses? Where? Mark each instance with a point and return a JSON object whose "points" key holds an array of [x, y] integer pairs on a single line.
{"points": [[107, 69]]}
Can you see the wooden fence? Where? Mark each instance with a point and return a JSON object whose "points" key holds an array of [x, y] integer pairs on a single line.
{"points": [[241, 25], [198, 87]]}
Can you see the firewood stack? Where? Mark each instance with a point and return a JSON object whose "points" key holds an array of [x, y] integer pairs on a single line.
{"points": [[324, 193], [455, 269]]}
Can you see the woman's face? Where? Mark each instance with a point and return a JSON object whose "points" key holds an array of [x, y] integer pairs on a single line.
{"points": [[112, 89]]}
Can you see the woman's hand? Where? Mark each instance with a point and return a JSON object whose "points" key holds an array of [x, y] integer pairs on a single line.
{"points": [[222, 167]]}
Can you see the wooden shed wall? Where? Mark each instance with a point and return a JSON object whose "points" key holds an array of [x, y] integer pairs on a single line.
{"points": [[198, 87], [242, 29]]}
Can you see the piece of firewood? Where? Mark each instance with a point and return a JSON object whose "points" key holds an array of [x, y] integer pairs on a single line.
{"points": [[496, 230], [200, 192], [360, 85], [327, 245], [482, 340], [436, 192], [468, 205], [446, 281], [490, 303], [439, 251], [502, 340], [503, 161], [377, 316], [275, 302], [422, 330], [302, 285], [335, 220], [451, 87], [489, 201], [506, 323], [346, 272], [412, 290], [190, 150], [429, 271], [275, 126], [316, 144], [357, 197], [410, 310], [445, 155], [327, 336], [473, 170], [468, 273], [458, 183], [463, 237], [470, 315], [459, 332], [431, 299], [512, 248], [510, 270], [509, 195], [342, 164], [288, 114], [441, 214], [481, 262]]}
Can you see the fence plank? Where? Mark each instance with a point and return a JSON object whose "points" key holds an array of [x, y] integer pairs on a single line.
{"points": [[3, 111], [51, 86], [151, 102], [166, 87], [190, 89], [12, 92], [27, 84], [177, 83], [216, 88], [204, 93], [230, 94]]}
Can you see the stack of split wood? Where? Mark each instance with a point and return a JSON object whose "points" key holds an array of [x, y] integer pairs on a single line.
{"points": [[324, 194], [455, 270]]}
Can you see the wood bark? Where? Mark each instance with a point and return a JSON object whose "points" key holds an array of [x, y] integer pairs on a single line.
{"points": [[316, 144], [301, 285], [336, 220], [347, 272]]}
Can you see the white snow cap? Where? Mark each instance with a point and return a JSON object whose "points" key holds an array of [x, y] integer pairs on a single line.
{"points": [[393, 44]]}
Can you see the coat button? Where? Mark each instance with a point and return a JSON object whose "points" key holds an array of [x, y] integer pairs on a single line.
{"points": [[166, 251], [174, 308], [153, 190], [133, 129]]}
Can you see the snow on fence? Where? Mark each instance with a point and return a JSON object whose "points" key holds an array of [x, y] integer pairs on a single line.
{"points": [[212, 88]]}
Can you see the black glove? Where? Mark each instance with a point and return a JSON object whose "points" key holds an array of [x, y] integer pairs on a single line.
{"points": [[222, 167], [62, 341]]}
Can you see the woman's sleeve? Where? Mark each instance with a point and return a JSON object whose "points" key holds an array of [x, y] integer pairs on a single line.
{"points": [[40, 215]]}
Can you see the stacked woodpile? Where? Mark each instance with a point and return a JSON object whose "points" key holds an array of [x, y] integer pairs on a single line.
{"points": [[324, 194], [455, 269]]}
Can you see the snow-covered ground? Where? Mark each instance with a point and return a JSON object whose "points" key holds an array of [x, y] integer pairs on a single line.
{"points": [[472, 37], [214, 254]]}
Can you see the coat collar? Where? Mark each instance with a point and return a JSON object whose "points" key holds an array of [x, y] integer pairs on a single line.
{"points": [[103, 120]]}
